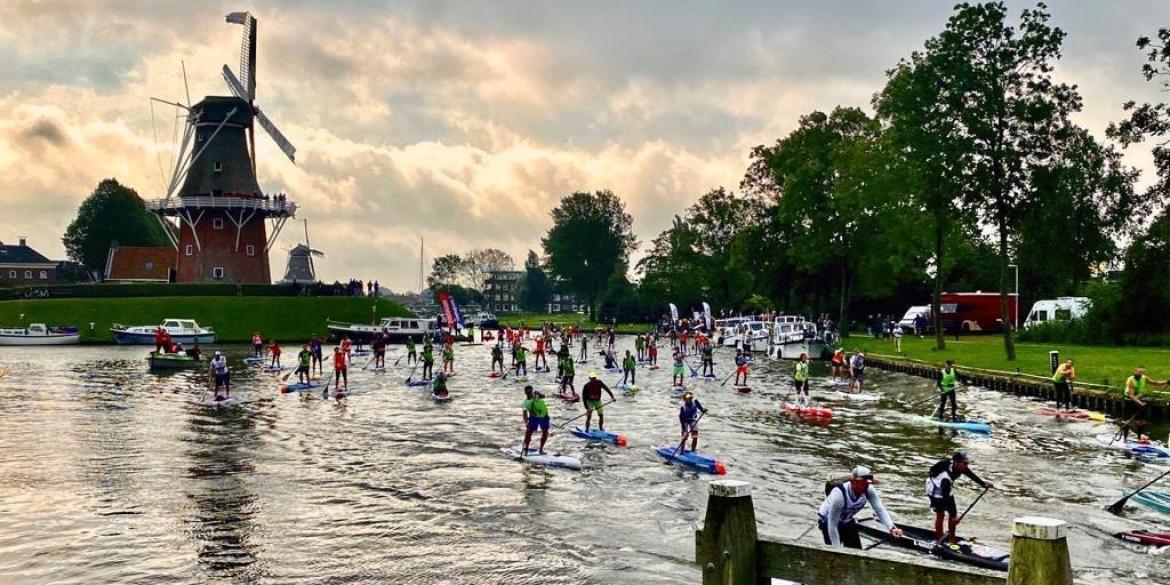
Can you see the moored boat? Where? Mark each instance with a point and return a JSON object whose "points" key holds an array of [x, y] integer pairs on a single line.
{"points": [[182, 331], [39, 334], [791, 336], [396, 330], [173, 361]]}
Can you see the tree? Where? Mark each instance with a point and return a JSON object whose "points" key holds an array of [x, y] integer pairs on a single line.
{"points": [[997, 79], [112, 213], [477, 265], [591, 236], [445, 271], [1145, 282], [535, 289], [1151, 120]]}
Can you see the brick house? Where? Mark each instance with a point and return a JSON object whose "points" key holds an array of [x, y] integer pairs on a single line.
{"points": [[21, 264], [131, 264]]}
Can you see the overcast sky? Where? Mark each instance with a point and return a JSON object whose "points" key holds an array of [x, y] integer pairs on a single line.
{"points": [[466, 121]]}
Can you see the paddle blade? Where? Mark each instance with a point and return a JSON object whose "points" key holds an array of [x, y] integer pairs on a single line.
{"points": [[1117, 507]]}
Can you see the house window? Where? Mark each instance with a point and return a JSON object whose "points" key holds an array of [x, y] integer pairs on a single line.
{"points": [[28, 274], [217, 223], [149, 266], [44, 275], [11, 274], [190, 250], [217, 273], [250, 250], [217, 166]]}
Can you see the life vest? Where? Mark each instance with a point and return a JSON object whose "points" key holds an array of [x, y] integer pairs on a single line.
{"points": [[949, 379], [853, 504], [1139, 385], [220, 365], [801, 373], [934, 483]]}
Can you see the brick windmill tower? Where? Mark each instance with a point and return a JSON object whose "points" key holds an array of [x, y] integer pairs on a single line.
{"points": [[214, 212]]}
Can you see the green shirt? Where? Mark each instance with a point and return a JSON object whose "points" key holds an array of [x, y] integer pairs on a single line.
{"points": [[521, 354], [536, 408], [567, 367], [801, 371], [305, 357], [1139, 386], [428, 356], [639, 342], [440, 383], [409, 345], [629, 363], [448, 353]]}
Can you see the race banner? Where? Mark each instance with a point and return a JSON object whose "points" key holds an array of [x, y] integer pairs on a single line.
{"points": [[707, 315], [673, 313], [451, 314]]}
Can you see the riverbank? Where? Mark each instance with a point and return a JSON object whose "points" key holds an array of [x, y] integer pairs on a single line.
{"points": [[534, 321], [233, 318]]}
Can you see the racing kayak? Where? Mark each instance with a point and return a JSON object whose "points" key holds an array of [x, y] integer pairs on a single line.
{"points": [[974, 426], [691, 459], [1071, 414], [1144, 537], [550, 460], [1147, 451], [299, 387], [967, 551], [1154, 500], [806, 411], [596, 435]]}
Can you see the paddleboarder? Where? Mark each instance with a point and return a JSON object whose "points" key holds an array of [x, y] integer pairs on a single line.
{"points": [[652, 350], [584, 356], [939, 485], [535, 417], [497, 358], [1137, 390], [521, 356], [317, 346], [947, 382], [838, 363], [274, 350], [222, 375], [628, 369], [428, 360], [591, 394], [708, 361], [448, 359], [640, 347], [411, 353], [741, 367], [568, 371], [857, 371], [439, 386], [679, 361], [538, 354], [843, 500], [1062, 380], [800, 380], [304, 362], [379, 347], [257, 345], [688, 417], [340, 370]]}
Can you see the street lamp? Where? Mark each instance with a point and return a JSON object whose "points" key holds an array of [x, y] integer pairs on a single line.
{"points": [[1016, 316]]}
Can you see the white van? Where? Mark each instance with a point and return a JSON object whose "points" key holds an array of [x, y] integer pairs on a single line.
{"points": [[1058, 309], [907, 322]]}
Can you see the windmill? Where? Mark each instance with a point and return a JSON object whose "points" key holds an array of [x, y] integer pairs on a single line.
{"points": [[300, 267], [215, 188]]}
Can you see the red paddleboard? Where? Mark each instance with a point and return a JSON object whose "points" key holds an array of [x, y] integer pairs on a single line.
{"points": [[1143, 537], [494, 375], [568, 397], [654, 367], [806, 411], [743, 389]]}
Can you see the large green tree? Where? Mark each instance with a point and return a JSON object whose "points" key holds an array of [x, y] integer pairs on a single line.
{"points": [[112, 213], [997, 79], [1151, 120], [591, 237], [535, 288], [446, 271]]}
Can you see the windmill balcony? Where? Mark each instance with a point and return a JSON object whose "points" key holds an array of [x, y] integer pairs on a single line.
{"points": [[269, 205]]}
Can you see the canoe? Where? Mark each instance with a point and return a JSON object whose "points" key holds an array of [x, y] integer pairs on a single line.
{"points": [[967, 551], [173, 361], [603, 436], [974, 426], [1151, 452], [1145, 537], [806, 411], [548, 459], [1154, 500], [692, 459]]}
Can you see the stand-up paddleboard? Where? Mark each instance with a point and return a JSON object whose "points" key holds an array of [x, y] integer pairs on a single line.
{"points": [[568, 396], [806, 411], [655, 367], [691, 459], [1145, 537], [253, 361], [1143, 449], [273, 369], [493, 374], [678, 391], [858, 396], [974, 426], [548, 459], [1071, 414], [598, 435], [441, 398], [378, 370], [743, 389], [299, 387], [417, 383]]}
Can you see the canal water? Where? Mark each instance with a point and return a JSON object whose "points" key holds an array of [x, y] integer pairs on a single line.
{"points": [[109, 473]]}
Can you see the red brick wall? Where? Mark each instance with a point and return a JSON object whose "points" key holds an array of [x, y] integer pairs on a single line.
{"points": [[6, 275], [219, 249]]}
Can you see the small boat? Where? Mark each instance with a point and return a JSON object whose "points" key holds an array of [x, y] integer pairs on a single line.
{"points": [[183, 331], [692, 459], [1145, 537], [598, 435], [173, 361], [806, 411], [549, 460], [966, 551], [396, 329], [1154, 500], [39, 334], [974, 426], [792, 335], [1071, 414]]}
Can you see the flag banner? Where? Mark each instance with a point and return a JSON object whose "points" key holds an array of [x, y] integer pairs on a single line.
{"points": [[451, 313], [673, 313], [707, 315], [237, 17]]}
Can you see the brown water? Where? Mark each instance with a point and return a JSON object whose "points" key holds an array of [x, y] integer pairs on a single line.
{"points": [[109, 473]]}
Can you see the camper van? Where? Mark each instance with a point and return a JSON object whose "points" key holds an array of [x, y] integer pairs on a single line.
{"points": [[907, 322], [1058, 309]]}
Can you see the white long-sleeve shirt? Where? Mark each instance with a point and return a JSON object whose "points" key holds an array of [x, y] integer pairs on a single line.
{"points": [[841, 505]]}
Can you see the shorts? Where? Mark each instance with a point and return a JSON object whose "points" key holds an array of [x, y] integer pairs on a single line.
{"points": [[541, 423], [223, 379], [593, 405], [859, 375], [742, 370], [800, 385], [1133, 410], [316, 356], [946, 504], [678, 370], [694, 428], [302, 369]]}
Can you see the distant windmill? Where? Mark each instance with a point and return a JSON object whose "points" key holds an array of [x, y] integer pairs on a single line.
{"points": [[215, 182], [300, 262]]}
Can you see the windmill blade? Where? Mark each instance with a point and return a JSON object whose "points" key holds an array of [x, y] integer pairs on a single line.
{"points": [[247, 53], [233, 83], [289, 150]]}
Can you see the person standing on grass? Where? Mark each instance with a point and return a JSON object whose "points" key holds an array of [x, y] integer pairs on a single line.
{"points": [[897, 337], [1062, 379]]}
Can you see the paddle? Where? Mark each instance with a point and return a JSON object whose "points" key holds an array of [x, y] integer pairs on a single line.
{"points": [[210, 378], [411, 374], [1120, 504], [727, 378], [961, 516], [399, 359], [562, 425], [372, 358], [686, 436], [1124, 425]]}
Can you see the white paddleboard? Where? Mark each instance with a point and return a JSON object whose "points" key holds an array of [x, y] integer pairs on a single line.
{"points": [[548, 459]]}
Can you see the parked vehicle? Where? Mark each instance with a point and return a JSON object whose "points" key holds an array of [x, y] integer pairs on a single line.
{"points": [[974, 311], [907, 322], [1058, 309]]}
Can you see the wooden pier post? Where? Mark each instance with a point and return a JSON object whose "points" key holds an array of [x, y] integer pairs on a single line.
{"points": [[1039, 553], [728, 542]]}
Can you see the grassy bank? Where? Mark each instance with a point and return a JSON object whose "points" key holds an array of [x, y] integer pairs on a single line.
{"points": [[1095, 364], [233, 318], [534, 320]]}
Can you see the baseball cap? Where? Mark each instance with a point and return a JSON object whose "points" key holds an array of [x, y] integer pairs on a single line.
{"points": [[863, 472], [960, 456]]}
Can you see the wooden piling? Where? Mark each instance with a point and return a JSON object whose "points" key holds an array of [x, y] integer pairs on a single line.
{"points": [[728, 541], [1039, 553]]}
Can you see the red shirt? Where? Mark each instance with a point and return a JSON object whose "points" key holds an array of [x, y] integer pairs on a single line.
{"points": [[338, 361]]}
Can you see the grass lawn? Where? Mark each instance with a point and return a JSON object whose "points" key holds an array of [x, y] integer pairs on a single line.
{"points": [[1095, 364], [232, 318], [532, 320]]}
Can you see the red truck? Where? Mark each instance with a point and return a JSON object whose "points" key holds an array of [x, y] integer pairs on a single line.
{"points": [[974, 311]]}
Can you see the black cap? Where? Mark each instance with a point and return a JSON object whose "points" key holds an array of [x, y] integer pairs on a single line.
{"points": [[960, 456]]}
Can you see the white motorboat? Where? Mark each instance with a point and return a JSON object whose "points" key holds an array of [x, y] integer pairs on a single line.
{"points": [[182, 331], [792, 335], [39, 334], [397, 329], [752, 335], [727, 330]]}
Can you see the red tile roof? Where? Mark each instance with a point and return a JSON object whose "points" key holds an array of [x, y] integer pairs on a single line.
{"points": [[140, 263]]}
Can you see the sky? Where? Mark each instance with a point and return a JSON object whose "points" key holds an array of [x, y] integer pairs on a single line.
{"points": [[466, 122]]}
